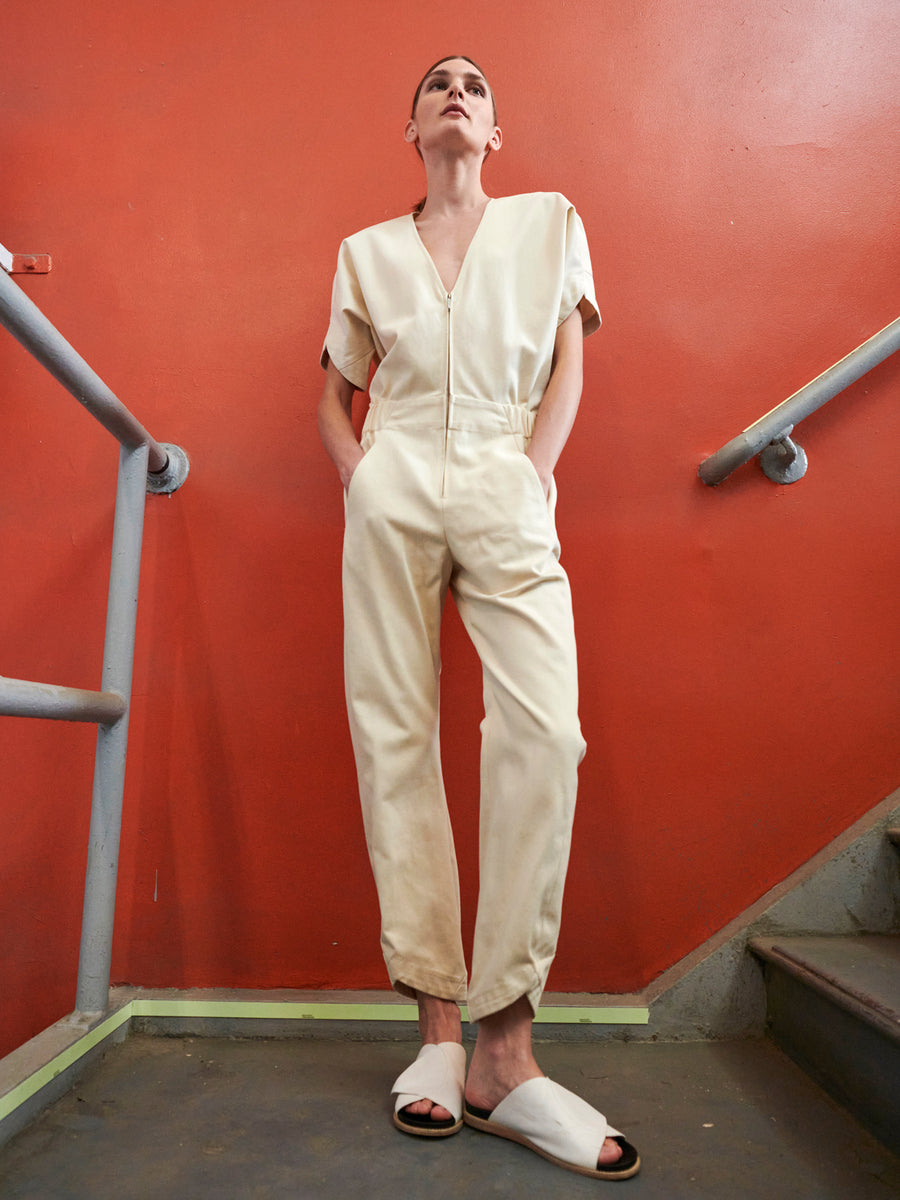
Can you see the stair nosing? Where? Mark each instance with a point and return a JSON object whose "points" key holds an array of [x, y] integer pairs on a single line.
{"points": [[771, 949]]}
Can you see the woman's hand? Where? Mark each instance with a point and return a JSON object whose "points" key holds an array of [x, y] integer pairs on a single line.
{"points": [[336, 426], [546, 477], [348, 470]]}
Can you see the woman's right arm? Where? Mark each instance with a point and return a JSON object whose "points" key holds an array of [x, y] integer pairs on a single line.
{"points": [[335, 424]]}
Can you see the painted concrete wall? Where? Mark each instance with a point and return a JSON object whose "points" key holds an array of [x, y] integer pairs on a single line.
{"points": [[192, 168]]}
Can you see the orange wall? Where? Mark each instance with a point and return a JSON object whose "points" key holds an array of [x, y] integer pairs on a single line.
{"points": [[192, 167]]}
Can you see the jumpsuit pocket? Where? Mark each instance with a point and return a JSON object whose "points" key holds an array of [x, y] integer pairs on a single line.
{"points": [[533, 469], [548, 499], [368, 445]]}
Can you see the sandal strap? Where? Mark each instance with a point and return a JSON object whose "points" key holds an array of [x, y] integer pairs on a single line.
{"points": [[438, 1074], [555, 1119]]}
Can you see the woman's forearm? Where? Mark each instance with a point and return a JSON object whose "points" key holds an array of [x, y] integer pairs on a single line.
{"points": [[336, 425], [560, 401]]}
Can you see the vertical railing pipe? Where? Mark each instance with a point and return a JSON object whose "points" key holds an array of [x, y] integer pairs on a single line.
{"points": [[144, 465], [95, 958]]}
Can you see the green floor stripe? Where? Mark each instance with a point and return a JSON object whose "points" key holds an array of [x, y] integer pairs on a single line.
{"points": [[18, 1095], [293, 1011], [564, 1015], [278, 1010], [273, 1010]]}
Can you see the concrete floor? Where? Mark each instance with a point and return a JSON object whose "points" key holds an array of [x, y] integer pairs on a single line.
{"points": [[198, 1118]]}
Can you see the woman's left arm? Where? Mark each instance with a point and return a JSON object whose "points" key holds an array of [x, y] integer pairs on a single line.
{"points": [[559, 404]]}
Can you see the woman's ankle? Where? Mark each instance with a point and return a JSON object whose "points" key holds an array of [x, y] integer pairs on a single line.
{"points": [[508, 1030], [439, 1019]]}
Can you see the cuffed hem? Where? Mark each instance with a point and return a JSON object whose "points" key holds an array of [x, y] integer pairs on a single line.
{"points": [[408, 979], [502, 997]]}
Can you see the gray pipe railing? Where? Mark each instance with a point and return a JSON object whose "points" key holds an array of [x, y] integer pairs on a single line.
{"points": [[95, 956], [22, 698], [144, 466], [784, 460], [28, 325]]}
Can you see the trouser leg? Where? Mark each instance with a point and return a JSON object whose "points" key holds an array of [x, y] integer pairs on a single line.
{"points": [[514, 599], [395, 572]]}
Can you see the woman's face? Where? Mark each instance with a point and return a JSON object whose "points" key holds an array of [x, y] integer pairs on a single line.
{"points": [[454, 106]]}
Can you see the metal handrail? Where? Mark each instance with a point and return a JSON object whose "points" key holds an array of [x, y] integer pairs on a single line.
{"points": [[22, 698], [782, 460], [28, 325], [145, 465]]}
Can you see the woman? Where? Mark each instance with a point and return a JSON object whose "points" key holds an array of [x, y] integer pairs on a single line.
{"points": [[474, 310]]}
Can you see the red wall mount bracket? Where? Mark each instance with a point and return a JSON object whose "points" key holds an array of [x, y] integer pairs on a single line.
{"points": [[24, 264], [30, 264]]}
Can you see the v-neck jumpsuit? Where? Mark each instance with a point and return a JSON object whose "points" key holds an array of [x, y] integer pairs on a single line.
{"points": [[445, 497]]}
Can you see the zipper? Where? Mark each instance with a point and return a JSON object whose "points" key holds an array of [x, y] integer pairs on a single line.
{"points": [[448, 392]]}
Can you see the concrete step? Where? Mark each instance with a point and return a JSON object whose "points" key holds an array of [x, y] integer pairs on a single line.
{"points": [[833, 1005]]}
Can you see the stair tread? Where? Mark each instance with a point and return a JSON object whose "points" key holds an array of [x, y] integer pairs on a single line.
{"points": [[865, 967]]}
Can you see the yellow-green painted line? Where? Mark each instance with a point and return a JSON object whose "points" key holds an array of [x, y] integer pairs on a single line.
{"points": [[271, 1010], [564, 1015], [276, 1010], [18, 1095], [292, 1011]]}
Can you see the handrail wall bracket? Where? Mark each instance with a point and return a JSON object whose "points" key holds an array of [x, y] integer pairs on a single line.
{"points": [[783, 460], [173, 474], [24, 264]]}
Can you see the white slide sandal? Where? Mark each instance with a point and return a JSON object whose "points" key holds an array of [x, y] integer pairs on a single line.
{"points": [[438, 1074], [558, 1125]]}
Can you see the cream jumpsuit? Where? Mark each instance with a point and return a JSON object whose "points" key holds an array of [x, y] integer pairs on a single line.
{"points": [[445, 497]]}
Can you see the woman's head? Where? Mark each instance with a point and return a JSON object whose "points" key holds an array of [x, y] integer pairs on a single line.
{"points": [[440, 63], [454, 99], [454, 107]]}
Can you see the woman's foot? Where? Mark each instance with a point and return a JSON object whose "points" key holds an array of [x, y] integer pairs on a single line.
{"points": [[439, 1021], [503, 1059]]}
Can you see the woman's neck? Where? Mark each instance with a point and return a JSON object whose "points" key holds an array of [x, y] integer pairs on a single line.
{"points": [[454, 185]]}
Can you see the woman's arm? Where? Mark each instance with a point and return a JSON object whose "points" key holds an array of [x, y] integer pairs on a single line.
{"points": [[559, 404], [335, 424]]}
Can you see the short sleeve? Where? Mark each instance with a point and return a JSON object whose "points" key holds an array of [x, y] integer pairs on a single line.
{"points": [[578, 280], [349, 343]]}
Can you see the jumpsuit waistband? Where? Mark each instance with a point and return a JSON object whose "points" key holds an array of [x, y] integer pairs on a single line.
{"points": [[459, 412]]}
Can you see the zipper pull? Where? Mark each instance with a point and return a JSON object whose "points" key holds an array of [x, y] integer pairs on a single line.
{"points": [[449, 300]]}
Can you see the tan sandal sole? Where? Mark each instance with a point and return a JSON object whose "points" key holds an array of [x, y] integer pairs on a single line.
{"points": [[424, 1131]]}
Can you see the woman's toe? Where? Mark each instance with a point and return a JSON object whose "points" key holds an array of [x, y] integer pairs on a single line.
{"points": [[610, 1152], [425, 1108], [419, 1108]]}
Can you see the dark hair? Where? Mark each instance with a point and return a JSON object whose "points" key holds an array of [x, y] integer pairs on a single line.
{"points": [[417, 208]]}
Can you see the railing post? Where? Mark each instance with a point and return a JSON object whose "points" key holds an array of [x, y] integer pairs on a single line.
{"points": [[144, 465], [92, 994]]}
